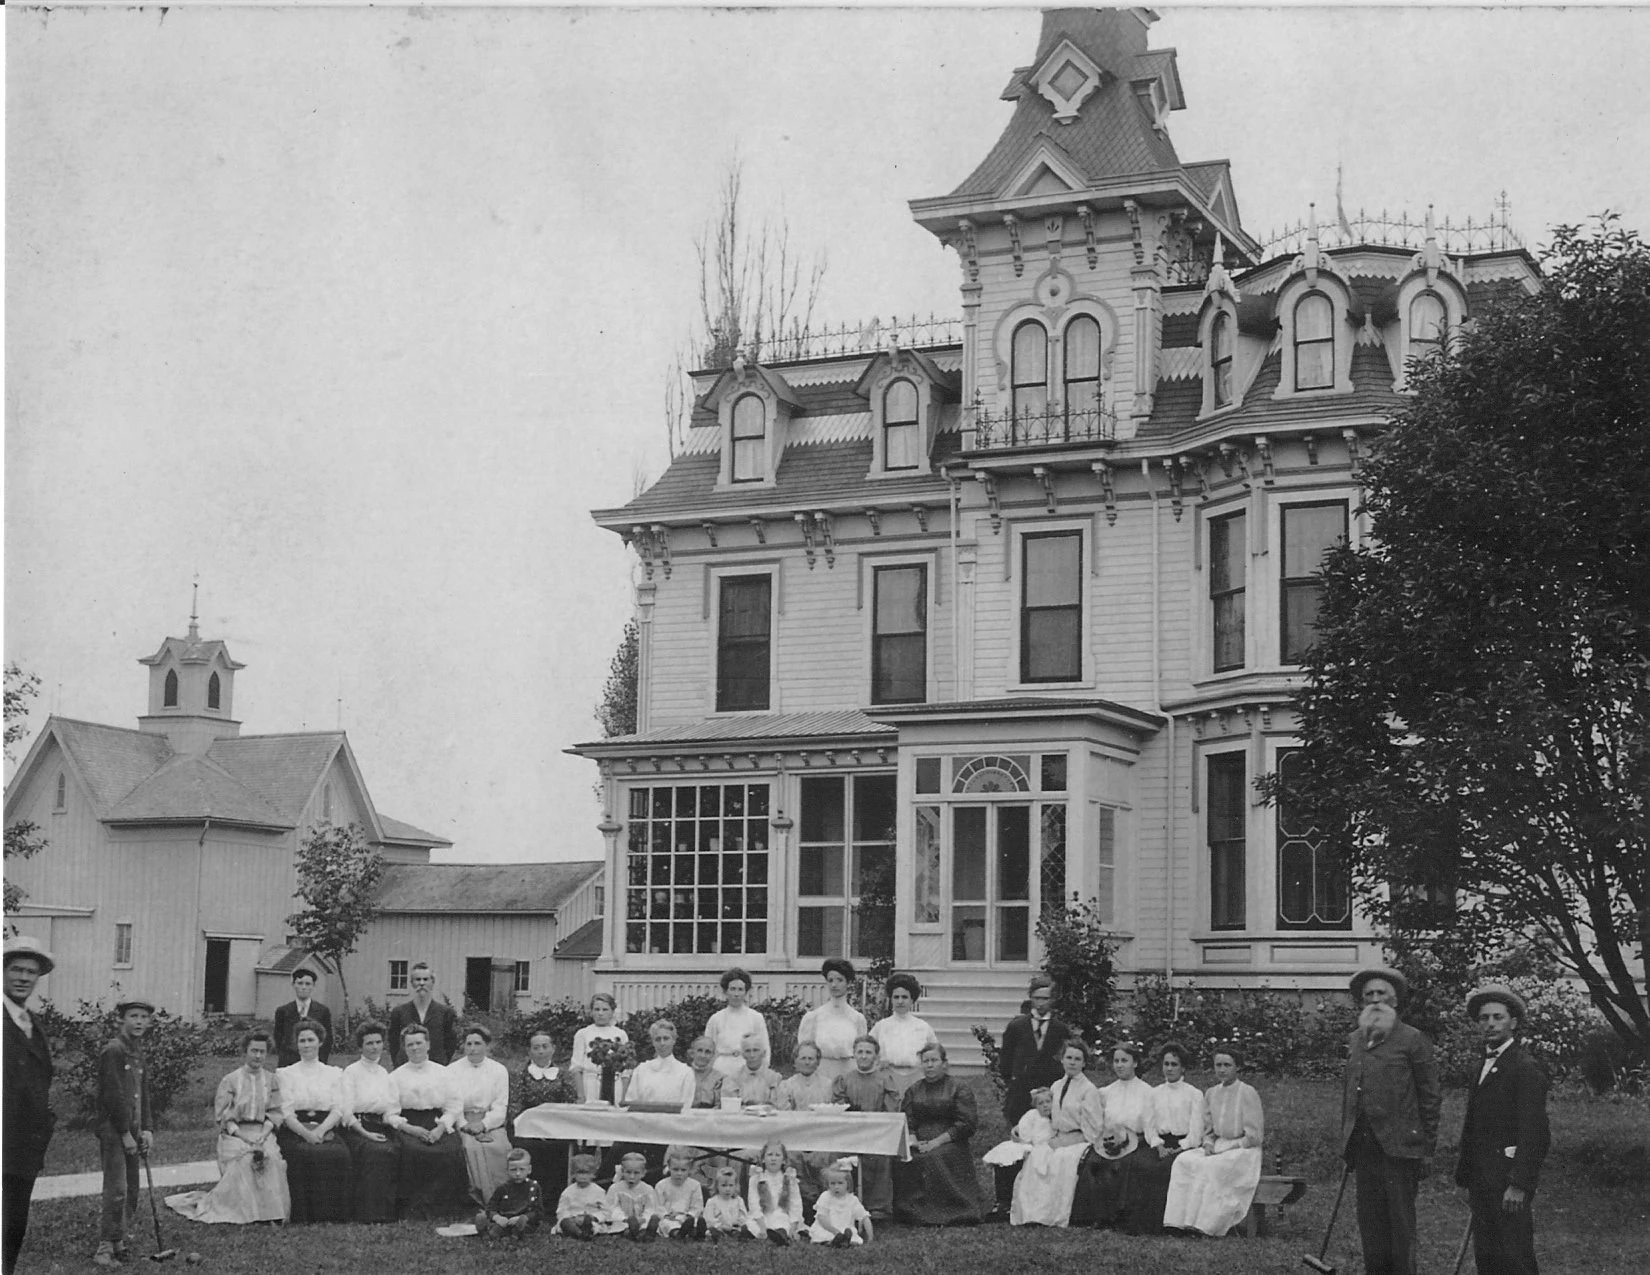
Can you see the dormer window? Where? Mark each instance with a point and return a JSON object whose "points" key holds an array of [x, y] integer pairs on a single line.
{"points": [[750, 430], [1029, 371], [1220, 359], [1082, 369], [1428, 325], [1314, 342], [170, 696], [901, 436], [214, 692]]}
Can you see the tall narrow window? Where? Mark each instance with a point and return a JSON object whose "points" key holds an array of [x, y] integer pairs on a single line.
{"points": [[1427, 325], [899, 636], [1314, 342], [743, 643], [1105, 859], [1029, 377], [1082, 383], [214, 692], [123, 942], [170, 699], [1309, 531], [1227, 807], [901, 439], [1312, 885], [1228, 588], [1220, 358], [750, 427], [398, 976], [524, 976], [62, 800], [1051, 620]]}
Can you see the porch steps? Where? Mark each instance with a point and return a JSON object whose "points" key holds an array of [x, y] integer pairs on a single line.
{"points": [[953, 1002]]}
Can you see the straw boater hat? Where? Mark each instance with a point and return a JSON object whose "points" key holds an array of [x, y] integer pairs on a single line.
{"points": [[24, 945], [1400, 984], [1496, 992]]}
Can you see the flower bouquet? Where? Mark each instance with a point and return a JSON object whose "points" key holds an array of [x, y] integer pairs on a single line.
{"points": [[612, 1056]]}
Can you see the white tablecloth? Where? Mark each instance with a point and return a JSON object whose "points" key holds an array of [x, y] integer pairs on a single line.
{"points": [[849, 1132]]}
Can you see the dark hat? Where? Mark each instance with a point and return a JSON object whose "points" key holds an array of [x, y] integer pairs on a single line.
{"points": [[1497, 992], [1400, 984], [123, 1006], [24, 945]]}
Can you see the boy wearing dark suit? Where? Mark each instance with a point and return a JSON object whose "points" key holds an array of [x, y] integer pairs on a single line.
{"points": [[1504, 1138], [1029, 1059], [302, 1006]]}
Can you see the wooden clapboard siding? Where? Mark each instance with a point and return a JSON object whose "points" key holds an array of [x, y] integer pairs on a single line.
{"points": [[446, 940]]}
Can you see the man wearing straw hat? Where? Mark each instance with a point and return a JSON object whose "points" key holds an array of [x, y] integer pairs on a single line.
{"points": [[28, 1067], [1504, 1138], [1389, 1119]]}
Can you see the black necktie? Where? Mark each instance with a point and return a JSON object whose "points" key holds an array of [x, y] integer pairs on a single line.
{"points": [[1038, 1027]]}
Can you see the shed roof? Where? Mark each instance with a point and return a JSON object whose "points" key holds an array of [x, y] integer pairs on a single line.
{"points": [[482, 887], [583, 944]]}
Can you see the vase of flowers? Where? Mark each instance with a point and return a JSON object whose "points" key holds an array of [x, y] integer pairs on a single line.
{"points": [[612, 1057]]}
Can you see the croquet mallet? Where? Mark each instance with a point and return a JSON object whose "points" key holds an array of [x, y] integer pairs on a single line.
{"points": [[1317, 1263], [1461, 1253], [161, 1253]]}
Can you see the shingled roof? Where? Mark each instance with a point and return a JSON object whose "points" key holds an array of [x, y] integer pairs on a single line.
{"points": [[482, 887]]}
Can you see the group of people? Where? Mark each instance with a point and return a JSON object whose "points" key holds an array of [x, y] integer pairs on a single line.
{"points": [[410, 1130]]}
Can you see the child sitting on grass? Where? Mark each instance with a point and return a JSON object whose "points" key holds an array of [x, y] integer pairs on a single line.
{"points": [[774, 1196], [681, 1201], [582, 1210], [840, 1220], [517, 1205], [632, 1204], [725, 1215]]}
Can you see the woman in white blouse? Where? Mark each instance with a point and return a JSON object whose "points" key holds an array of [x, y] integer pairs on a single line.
{"points": [[1212, 1186], [835, 1025], [729, 1026], [585, 1072], [1176, 1126], [434, 1181], [1106, 1188], [482, 1086], [370, 1102], [902, 1035], [312, 1107], [1048, 1175]]}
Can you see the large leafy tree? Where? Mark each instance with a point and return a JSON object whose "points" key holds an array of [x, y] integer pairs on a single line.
{"points": [[1474, 716], [338, 875], [23, 839]]}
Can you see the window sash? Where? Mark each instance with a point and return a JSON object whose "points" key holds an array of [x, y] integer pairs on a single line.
{"points": [[1314, 343], [899, 638], [845, 888], [1227, 818], [1220, 358], [1228, 591], [524, 976], [1029, 375], [123, 942], [1082, 366], [744, 643], [1307, 533], [1051, 617]]}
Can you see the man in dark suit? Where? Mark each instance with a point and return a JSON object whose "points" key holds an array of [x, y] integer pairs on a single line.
{"points": [[422, 1008], [28, 1111], [1389, 1120], [1029, 1059], [303, 1005], [1504, 1138]]}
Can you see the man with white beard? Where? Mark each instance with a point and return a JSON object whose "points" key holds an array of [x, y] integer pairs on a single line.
{"points": [[1389, 1120]]}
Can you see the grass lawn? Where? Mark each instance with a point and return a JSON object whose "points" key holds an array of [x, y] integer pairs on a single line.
{"points": [[1592, 1216]]}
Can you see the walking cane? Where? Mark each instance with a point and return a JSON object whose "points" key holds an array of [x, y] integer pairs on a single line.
{"points": [[1461, 1253], [1317, 1263], [161, 1253]]}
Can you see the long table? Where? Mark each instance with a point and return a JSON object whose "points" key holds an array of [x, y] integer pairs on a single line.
{"points": [[850, 1132]]}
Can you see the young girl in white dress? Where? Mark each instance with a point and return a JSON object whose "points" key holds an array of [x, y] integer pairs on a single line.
{"points": [[774, 1196], [840, 1220]]}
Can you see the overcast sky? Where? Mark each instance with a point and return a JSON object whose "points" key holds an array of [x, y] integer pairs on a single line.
{"points": [[358, 312]]}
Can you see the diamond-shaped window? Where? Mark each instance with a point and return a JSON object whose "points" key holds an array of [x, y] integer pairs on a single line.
{"points": [[1069, 80]]}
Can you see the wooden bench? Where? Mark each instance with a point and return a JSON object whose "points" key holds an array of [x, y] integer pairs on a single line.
{"points": [[1275, 1190]]}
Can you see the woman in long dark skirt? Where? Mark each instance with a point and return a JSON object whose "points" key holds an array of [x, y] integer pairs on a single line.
{"points": [[1108, 1180], [937, 1186], [370, 1100], [1177, 1123], [434, 1180], [537, 1082], [312, 1106]]}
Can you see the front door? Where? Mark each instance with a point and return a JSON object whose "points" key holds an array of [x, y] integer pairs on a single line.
{"points": [[991, 884]]}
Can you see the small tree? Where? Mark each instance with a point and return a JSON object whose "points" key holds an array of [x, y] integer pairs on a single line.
{"points": [[1077, 955], [338, 875], [616, 711], [23, 839]]}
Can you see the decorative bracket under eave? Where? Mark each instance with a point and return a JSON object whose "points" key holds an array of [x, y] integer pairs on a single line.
{"points": [[806, 522], [873, 515], [1352, 451], [921, 511], [1195, 466], [709, 529], [661, 544], [1102, 471], [1311, 441], [1091, 243], [1046, 477], [969, 249], [1229, 454], [1176, 473], [652, 545], [1133, 209], [1263, 448], [1013, 224], [761, 530], [989, 484], [822, 522]]}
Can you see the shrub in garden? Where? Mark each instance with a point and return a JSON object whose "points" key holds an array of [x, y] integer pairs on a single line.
{"points": [[561, 1019], [170, 1050], [1077, 955]]}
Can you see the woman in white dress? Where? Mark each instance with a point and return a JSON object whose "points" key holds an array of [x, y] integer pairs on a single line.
{"points": [[370, 1100], [1048, 1175], [252, 1176], [1212, 1186], [312, 1107], [1107, 1190], [1176, 1126], [586, 1073], [729, 1026], [434, 1181], [482, 1086], [835, 1025], [902, 1035]]}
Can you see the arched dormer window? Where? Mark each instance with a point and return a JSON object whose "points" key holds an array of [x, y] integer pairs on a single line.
{"points": [[170, 695], [1028, 372], [1428, 325], [750, 430], [901, 436], [214, 692], [1314, 342], [1220, 359], [1082, 371]]}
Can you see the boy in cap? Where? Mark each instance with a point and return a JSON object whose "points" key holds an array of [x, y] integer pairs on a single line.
{"points": [[125, 1127], [1504, 1137]]}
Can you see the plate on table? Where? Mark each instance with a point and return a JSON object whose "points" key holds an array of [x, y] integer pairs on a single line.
{"points": [[829, 1108], [761, 1109]]}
